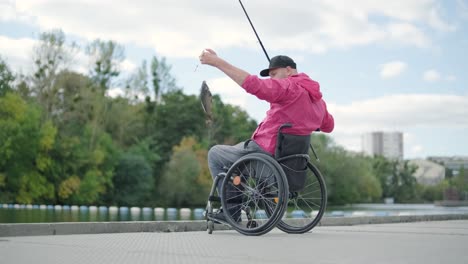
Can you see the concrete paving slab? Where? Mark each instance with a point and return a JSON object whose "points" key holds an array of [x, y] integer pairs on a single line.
{"points": [[418, 242]]}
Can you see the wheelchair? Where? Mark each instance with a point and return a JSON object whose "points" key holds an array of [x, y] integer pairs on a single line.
{"points": [[260, 192]]}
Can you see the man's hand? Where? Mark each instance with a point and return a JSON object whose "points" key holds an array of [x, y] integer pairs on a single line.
{"points": [[208, 56]]}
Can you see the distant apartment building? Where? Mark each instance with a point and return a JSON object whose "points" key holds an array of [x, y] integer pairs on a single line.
{"points": [[454, 163], [387, 144]]}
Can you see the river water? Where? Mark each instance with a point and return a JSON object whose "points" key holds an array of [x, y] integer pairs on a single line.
{"points": [[47, 214]]}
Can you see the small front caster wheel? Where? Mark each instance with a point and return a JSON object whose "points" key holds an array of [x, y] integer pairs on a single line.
{"points": [[210, 226], [251, 224]]}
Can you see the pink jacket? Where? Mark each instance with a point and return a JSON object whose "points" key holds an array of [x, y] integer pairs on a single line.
{"points": [[296, 100]]}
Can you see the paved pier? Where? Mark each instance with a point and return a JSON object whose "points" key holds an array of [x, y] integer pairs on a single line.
{"points": [[41, 229], [415, 242]]}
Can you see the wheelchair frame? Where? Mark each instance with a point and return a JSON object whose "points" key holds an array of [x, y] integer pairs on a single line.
{"points": [[275, 207]]}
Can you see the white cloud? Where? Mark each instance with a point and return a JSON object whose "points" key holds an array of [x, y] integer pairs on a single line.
{"points": [[17, 52], [392, 69], [408, 33], [127, 66], [431, 76], [434, 76], [183, 28], [9, 12], [451, 78], [397, 113], [404, 110]]}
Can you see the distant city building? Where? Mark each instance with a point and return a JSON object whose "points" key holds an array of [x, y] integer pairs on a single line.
{"points": [[428, 172], [454, 163], [387, 144]]}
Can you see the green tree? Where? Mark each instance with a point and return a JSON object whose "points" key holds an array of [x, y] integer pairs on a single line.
{"points": [[72, 157], [404, 182], [50, 56], [86, 170], [396, 178], [125, 121], [24, 152], [33, 187], [349, 176], [136, 87], [460, 183], [74, 105], [98, 165], [383, 169], [180, 184], [179, 115], [162, 82], [68, 187], [231, 124], [145, 149], [431, 193], [106, 57], [6, 78], [161, 78], [133, 180]]}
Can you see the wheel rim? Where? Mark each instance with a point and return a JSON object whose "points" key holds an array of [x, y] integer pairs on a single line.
{"points": [[306, 207], [261, 189]]}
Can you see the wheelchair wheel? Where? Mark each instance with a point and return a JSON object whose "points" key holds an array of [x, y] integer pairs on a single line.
{"points": [[306, 207], [253, 186]]}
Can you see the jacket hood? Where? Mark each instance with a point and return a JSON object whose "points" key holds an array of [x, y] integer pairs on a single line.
{"points": [[312, 87]]}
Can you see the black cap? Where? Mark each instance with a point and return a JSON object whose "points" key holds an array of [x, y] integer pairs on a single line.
{"points": [[280, 61]]}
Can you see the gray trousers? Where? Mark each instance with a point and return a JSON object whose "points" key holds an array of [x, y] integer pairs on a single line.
{"points": [[221, 157]]}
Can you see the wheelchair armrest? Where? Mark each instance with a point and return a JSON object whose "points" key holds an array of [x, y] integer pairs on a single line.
{"points": [[285, 125]]}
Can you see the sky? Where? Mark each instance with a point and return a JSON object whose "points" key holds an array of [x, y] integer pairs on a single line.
{"points": [[382, 65]]}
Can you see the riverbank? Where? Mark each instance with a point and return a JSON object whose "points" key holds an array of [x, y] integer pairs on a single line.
{"points": [[41, 229], [451, 203]]}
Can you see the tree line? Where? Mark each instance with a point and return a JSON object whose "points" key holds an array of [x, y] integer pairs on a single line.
{"points": [[65, 140]]}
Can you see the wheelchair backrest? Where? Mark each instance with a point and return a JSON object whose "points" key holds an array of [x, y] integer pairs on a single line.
{"points": [[288, 144], [292, 152]]}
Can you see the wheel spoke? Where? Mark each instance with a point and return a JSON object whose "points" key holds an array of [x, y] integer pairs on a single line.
{"points": [[308, 205]]}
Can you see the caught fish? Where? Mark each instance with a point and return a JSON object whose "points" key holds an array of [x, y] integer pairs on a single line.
{"points": [[206, 101]]}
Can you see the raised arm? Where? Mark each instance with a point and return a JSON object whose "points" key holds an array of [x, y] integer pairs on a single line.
{"points": [[209, 57]]}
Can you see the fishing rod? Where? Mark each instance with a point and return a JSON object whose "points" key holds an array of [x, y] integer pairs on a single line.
{"points": [[266, 54], [261, 44]]}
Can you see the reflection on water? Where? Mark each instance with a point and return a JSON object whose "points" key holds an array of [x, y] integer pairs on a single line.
{"points": [[392, 210], [49, 213]]}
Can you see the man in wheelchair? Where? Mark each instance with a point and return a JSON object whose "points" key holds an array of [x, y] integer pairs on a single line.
{"points": [[294, 99]]}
